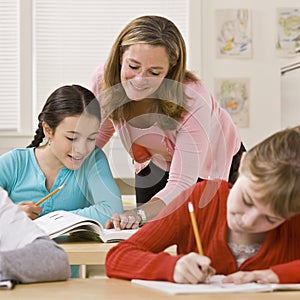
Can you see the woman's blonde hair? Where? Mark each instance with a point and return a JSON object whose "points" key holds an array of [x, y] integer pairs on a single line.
{"points": [[274, 167], [155, 31]]}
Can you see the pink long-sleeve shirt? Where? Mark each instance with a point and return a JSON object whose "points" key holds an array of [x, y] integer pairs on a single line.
{"points": [[202, 145], [142, 256]]}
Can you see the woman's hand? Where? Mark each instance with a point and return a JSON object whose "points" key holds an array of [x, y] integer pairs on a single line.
{"points": [[193, 268], [127, 220], [130, 218], [30, 209], [259, 276]]}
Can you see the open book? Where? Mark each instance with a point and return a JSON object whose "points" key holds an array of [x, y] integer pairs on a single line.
{"points": [[215, 285], [63, 222]]}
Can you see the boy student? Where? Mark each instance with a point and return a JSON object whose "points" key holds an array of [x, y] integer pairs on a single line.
{"points": [[62, 153], [26, 253], [249, 231]]}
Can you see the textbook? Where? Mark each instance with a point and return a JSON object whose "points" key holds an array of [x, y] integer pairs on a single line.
{"points": [[62, 222], [215, 285]]}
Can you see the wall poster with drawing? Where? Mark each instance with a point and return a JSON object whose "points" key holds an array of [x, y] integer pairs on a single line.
{"points": [[233, 33], [233, 96], [288, 33]]}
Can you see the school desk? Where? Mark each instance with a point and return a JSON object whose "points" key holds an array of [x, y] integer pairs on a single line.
{"points": [[87, 252], [84, 252], [117, 289]]}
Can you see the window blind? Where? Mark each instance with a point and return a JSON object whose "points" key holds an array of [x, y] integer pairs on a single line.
{"points": [[73, 37], [9, 65]]}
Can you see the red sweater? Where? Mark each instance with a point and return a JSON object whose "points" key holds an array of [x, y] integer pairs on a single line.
{"points": [[142, 256]]}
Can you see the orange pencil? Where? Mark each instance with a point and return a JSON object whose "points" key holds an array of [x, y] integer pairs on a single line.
{"points": [[195, 228], [50, 194]]}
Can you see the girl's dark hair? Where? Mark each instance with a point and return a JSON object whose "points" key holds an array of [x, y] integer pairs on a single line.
{"points": [[66, 101]]}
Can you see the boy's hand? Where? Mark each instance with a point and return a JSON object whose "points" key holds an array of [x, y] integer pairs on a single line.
{"points": [[259, 276], [193, 268]]}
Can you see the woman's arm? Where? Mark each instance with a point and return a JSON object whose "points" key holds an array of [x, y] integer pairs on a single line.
{"points": [[206, 142], [106, 129], [41, 260]]}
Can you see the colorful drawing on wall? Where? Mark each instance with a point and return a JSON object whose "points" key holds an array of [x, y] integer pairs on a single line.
{"points": [[288, 34], [233, 96], [233, 33]]}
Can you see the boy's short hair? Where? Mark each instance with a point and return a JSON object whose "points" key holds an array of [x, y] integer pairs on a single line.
{"points": [[274, 167]]}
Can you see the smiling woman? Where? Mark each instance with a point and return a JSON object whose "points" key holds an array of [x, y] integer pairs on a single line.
{"points": [[63, 152], [166, 118]]}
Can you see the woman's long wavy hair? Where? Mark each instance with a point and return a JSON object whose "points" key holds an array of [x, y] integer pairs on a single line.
{"points": [[171, 100]]}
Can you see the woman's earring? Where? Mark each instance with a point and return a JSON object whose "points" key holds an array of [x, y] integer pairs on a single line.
{"points": [[49, 142]]}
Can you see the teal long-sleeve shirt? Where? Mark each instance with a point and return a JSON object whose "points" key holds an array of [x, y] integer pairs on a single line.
{"points": [[90, 191]]}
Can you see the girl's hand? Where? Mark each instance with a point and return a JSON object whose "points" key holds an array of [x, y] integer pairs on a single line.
{"points": [[259, 276], [30, 209], [192, 268]]}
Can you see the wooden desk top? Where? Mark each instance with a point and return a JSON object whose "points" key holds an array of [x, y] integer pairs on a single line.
{"points": [[84, 252], [119, 289], [89, 253]]}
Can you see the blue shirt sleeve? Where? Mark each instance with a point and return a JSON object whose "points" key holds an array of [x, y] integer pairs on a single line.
{"points": [[8, 167]]}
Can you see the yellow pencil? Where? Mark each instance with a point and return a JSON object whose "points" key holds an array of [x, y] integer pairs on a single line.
{"points": [[195, 228], [50, 194]]}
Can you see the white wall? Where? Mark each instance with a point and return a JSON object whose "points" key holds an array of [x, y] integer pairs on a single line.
{"points": [[263, 69], [290, 91]]}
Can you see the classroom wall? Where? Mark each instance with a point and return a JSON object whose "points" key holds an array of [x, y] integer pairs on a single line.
{"points": [[263, 70]]}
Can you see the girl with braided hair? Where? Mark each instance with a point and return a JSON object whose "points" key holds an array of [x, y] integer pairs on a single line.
{"points": [[63, 152]]}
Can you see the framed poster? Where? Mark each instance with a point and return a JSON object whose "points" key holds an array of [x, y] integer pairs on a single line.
{"points": [[288, 32], [233, 96], [233, 33]]}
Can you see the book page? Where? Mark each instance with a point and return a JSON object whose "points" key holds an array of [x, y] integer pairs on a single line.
{"points": [[113, 235], [286, 286], [214, 286], [58, 222], [62, 222]]}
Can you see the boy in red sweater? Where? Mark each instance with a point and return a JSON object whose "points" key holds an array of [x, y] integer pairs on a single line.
{"points": [[249, 231]]}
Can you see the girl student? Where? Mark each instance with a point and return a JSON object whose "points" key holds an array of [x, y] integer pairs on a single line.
{"points": [[68, 123]]}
